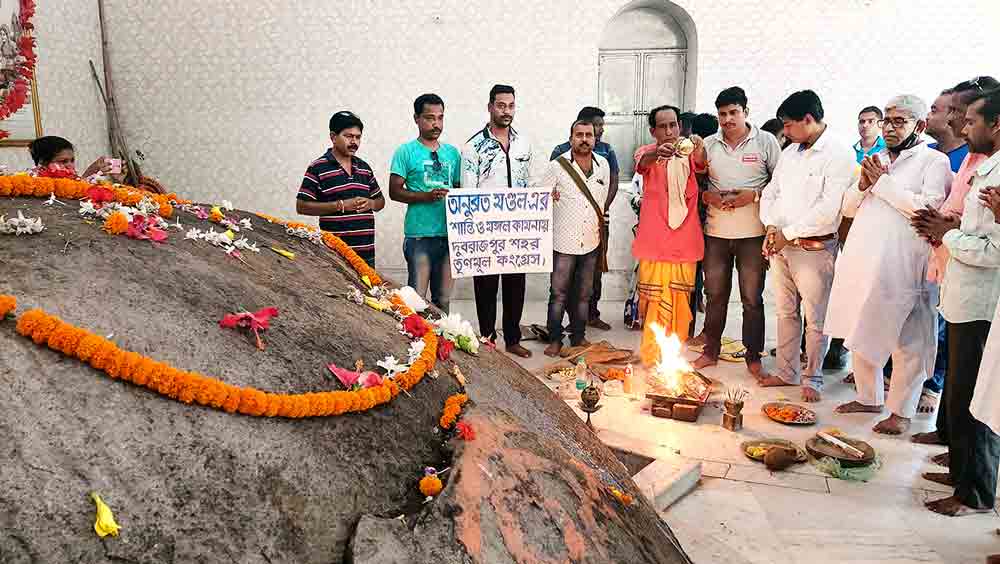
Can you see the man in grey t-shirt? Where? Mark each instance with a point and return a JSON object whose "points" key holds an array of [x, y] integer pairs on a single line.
{"points": [[740, 160]]}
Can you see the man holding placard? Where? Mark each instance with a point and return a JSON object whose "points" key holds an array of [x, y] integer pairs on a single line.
{"points": [[498, 156], [580, 181]]}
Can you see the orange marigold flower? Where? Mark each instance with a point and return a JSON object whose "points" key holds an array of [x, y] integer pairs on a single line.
{"points": [[116, 223], [141, 375], [44, 328], [113, 367], [431, 485], [130, 363], [166, 210]]}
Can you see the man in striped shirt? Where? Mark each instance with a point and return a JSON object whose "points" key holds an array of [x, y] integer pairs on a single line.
{"points": [[341, 189]]}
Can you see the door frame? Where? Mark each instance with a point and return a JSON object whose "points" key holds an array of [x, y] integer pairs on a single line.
{"points": [[639, 114]]}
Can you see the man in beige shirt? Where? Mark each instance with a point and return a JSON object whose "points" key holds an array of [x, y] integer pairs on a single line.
{"points": [[740, 159]]}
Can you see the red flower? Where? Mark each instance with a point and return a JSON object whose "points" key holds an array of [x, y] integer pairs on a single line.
{"points": [[56, 171], [445, 348], [415, 326], [142, 228], [465, 431], [99, 195], [256, 322]]}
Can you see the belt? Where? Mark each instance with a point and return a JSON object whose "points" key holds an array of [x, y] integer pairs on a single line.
{"points": [[819, 237], [816, 243]]}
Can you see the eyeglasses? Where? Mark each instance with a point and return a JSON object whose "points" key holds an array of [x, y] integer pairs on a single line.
{"points": [[895, 123], [436, 159]]}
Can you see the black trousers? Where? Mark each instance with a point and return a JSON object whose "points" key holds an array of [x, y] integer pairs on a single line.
{"points": [[720, 257], [974, 449], [486, 288]]}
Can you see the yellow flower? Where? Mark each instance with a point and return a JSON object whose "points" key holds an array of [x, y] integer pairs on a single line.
{"points": [[230, 235], [215, 216], [366, 280], [105, 524], [287, 254]]}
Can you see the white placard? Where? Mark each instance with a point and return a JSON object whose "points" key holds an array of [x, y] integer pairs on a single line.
{"points": [[499, 231]]}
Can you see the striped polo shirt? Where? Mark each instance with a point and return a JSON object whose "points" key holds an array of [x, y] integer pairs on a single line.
{"points": [[327, 181]]}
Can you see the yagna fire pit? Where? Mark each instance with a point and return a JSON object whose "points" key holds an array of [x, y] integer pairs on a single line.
{"points": [[677, 390]]}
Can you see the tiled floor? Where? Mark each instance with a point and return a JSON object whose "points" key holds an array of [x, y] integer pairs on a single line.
{"points": [[742, 513]]}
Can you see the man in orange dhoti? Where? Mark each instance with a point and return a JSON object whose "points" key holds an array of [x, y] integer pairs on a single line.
{"points": [[669, 242]]}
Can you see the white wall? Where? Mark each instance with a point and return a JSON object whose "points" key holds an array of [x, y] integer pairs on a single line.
{"points": [[67, 36], [231, 98]]}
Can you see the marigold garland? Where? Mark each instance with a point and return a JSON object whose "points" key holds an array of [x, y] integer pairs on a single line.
{"points": [[452, 409], [116, 223], [336, 243], [7, 305], [192, 387], [69, 189]]}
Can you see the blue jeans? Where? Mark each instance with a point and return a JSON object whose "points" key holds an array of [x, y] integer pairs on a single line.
{"points": [[428, 265], [570, 290]]}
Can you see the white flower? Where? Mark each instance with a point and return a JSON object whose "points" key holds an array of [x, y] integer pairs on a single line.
{"points": [[411, 298], [193, 233], [416, 347], [52, 200], [313, 235], [227, 205], [246, 245], [392, 366], [245, 224], [178, 225], [452, 326], [21, 225], [87, 208], [148, 207]]}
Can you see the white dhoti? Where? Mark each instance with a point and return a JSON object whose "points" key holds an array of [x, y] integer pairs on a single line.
{"points": [[912, 364], [881, 302]]}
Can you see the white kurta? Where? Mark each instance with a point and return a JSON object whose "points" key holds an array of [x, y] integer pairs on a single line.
{"points": [[882, 274]]}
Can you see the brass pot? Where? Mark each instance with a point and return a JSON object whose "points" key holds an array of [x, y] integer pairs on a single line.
{"points": [[590, 396]]}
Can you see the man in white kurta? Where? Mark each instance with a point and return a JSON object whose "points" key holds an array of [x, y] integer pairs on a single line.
{"points": [[881, 302]]}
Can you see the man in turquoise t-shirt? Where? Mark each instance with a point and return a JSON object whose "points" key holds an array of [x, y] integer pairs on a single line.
{"points": [[422, 172]]}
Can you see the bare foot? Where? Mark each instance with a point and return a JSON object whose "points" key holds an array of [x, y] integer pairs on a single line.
{"points": [[704, 361], [928, 401], [552, 350], [517, 349], [942, 478], [892, 425], [770, 381], [756, 369], [849, 379], [943, 459], [858, 407], [696, 341], [810, 395], [952, 507], [931, 438]]}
